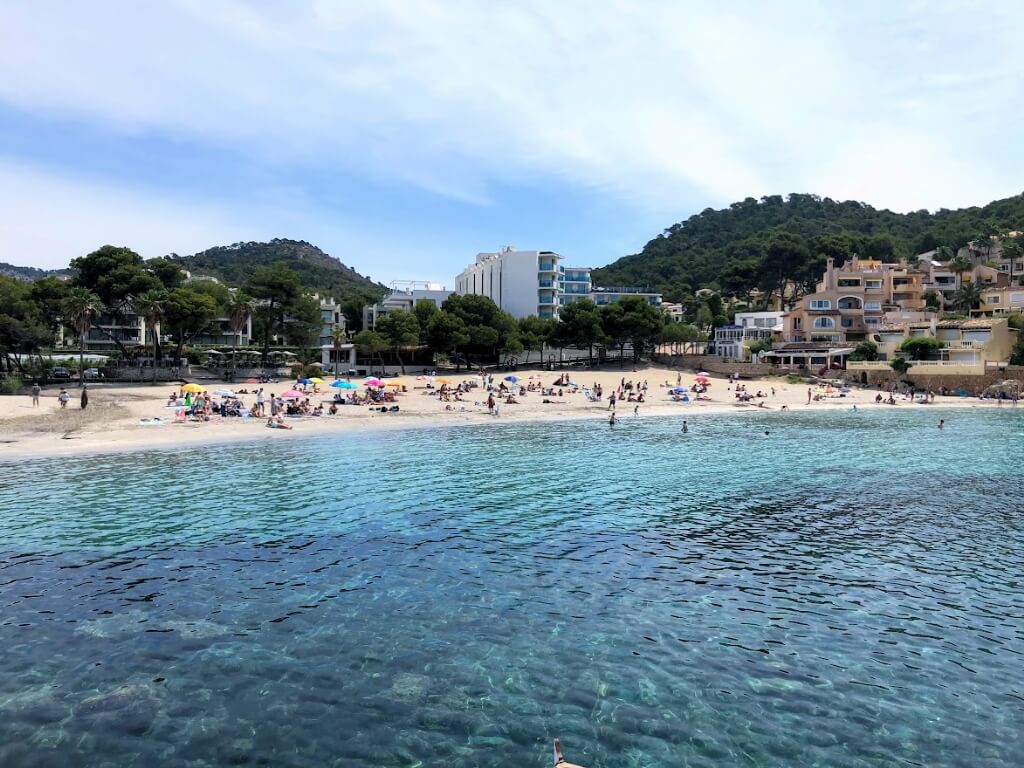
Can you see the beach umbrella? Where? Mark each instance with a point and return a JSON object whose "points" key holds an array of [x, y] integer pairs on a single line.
{"points": [[292, 394], [703, 373], [224, 392], [443, 381], [703, 379], [373, 382], [193, 388], [512, 377], [343, 385], [678, 390], [304, 381], [316, 380]]}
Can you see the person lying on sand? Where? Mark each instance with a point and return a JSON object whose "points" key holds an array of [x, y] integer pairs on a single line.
{"points": [[277, 423]]}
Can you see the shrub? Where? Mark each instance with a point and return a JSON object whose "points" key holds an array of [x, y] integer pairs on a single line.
{"points": [[866, 350], [921, 347], [11, 385]]}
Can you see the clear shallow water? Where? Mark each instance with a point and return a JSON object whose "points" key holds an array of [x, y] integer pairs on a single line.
{"points": [[844, 592]]}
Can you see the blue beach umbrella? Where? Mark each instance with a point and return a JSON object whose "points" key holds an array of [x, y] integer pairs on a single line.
{"points": [[343, 384], [513, 378], [305, 381], [679, 390]]}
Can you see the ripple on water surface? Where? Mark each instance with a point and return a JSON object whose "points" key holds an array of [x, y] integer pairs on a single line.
{"points": [[843, 592]]}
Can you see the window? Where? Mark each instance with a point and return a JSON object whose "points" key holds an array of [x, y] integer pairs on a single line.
{"points": [[876, 305], [847, 322], [873, 285], [796, 323], [821, 304], [1016, 298], [993, 299], [872, 321], [824, 322]]}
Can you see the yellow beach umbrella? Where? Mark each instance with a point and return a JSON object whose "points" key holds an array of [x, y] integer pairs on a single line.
{"points": [[316, 380], [443, 381], [193, 388]]}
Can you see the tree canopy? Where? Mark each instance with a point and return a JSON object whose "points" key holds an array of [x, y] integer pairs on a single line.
{"points": [[755, 244]]}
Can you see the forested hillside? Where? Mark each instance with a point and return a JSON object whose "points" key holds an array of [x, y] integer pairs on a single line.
{"points": [[760, 244], [234, 265]]}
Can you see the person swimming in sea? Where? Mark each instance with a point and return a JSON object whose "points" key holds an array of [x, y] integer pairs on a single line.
{"points": [[942, 423], [612, 420], [686, 427]]}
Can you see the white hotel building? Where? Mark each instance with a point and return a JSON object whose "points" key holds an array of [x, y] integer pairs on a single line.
{"points": [[522, 283], [525, 283]]}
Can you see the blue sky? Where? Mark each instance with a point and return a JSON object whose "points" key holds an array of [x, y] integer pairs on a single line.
{"points": [[405, 137]]}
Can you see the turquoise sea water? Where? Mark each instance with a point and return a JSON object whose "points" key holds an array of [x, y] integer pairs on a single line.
{"points": [[844, 592]]}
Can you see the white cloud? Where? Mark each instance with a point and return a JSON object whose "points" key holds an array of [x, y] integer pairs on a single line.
{"points": [[653, 101]]}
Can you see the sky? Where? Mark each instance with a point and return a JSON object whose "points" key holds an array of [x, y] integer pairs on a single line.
{"points": [[405, 137]]}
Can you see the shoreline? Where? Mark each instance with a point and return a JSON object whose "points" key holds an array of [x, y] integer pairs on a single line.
{"points": [[133, 437]]}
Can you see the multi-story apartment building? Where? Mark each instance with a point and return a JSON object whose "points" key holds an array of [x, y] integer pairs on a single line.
{"points": [[522, 283], [404, 295], [574, 283], [849, 303], [601, 295]]}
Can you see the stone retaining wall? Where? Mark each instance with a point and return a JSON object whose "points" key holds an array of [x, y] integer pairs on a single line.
{"points": [[933, 381], [714, 364]]}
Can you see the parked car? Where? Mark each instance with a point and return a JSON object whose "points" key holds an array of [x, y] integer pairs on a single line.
{"points": [[93, 373], [60, 372]]}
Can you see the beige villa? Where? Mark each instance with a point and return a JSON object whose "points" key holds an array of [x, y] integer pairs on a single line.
{"points": [[970, 347]]}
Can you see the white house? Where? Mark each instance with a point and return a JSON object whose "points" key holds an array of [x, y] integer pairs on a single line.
{"points": [[733, 341]]}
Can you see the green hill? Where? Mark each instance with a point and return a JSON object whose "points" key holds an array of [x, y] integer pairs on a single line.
{"points": [[30, 274], [234, 264], [759, 243]]}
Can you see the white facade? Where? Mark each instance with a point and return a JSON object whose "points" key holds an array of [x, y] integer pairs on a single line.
{"points": [[404, 295], [770, 320], [522, 283]]}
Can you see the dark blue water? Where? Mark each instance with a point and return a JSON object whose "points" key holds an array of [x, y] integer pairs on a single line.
{"points": [[846, 591]]}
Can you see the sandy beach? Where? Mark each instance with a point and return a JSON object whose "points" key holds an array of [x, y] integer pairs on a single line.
{"points": [[113, 419]]}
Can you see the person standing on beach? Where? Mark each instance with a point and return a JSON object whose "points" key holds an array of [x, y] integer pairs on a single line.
{"points": [[636, 410], [808, 395], [490, 404], [85, 396], [36, 389], [611, 402]]}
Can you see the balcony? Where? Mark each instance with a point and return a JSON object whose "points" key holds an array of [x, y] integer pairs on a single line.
{"points": [[546, 299], [965, 344], [868, 365], [547, 266]]}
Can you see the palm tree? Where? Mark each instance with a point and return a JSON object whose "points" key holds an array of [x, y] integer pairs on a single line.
{"points": [[944, 254], [982, 245], [960, 264], [239, 310], [967, 297], [150, 305], [1013, 249], [80, 308], [338, 337]]}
